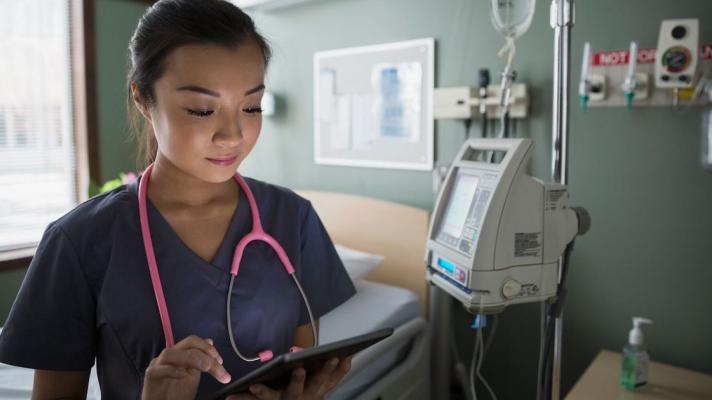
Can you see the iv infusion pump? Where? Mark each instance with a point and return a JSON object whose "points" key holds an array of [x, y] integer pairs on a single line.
{"points": [[496, 234]]}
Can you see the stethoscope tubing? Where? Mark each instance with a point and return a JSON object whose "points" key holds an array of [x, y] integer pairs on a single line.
{"points": [[257, 234]]}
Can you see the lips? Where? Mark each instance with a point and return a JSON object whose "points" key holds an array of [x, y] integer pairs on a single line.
{"points": [[223, 160]]}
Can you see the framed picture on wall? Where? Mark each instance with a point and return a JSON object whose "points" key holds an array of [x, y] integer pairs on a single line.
{"points": [[373, 105]]}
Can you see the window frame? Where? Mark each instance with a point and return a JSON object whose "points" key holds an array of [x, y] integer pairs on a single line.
{"points": [[84, 108]]}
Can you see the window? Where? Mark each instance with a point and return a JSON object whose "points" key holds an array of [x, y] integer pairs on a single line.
{"points": [[38, 163]]}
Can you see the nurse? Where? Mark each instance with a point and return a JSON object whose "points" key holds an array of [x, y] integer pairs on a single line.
{"points": [[197, 78]]}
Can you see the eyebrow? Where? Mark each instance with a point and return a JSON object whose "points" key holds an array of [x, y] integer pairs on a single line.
{"points": [[209, 92]]}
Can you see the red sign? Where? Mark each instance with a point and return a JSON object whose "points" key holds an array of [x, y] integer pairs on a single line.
{"points": [[645, 56], [620, 57]]}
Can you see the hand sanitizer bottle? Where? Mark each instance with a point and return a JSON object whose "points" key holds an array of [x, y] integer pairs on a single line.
{"points": [[635, 357]]}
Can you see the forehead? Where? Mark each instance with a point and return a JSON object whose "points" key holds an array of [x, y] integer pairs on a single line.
{"points": [[215, 66]]}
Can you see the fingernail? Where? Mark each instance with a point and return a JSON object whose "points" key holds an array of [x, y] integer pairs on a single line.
{"points": [[225, 378], [210, 341], [220, 360], [333, 362], [255, 390]]}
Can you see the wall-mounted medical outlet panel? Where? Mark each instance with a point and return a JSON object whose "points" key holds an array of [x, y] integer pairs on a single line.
{"points": [[464, 102], [678, 52], [613, 66]]}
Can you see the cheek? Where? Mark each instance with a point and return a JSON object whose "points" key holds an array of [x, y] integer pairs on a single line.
{"points": [[177, 134], [253, 128]]}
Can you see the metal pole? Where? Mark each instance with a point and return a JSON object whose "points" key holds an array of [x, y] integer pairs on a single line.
{"points": [[440, 315], [562, 19]]}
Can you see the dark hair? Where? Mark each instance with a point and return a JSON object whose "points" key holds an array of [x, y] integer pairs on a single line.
{"points": [[167, 25]]}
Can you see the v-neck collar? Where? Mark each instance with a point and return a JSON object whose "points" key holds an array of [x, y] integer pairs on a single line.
{"points": [[222, 259]]}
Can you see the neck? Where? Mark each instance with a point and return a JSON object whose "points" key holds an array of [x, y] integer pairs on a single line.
{"points": [[172, 186]]}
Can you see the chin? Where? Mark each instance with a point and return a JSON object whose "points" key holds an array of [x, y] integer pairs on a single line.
{"points": [[218, 174]]}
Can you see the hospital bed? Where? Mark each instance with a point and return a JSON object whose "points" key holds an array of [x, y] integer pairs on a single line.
{"points": [[393, 294]]}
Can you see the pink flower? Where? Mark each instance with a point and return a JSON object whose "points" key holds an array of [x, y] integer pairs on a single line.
{"points": [[128, 178]]}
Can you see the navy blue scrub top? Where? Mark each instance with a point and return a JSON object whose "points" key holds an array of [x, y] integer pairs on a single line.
{"points": [[87, 293]]}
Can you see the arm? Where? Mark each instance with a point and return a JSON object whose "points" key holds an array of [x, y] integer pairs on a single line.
{"points": [[60, 385], [303, 337]]}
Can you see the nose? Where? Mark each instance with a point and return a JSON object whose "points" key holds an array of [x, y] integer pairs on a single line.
{"points": [[229, 134]]}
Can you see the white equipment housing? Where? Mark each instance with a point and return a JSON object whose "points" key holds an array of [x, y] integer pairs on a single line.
{"points": [[496, 234], [677, 54]]}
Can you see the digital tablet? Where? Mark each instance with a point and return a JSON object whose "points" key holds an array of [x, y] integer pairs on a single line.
{"points": [[277, 372]]}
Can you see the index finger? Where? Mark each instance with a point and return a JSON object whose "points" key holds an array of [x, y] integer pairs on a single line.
{"points": [[205, 345]]}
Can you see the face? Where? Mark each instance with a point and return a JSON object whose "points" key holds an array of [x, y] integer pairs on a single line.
{"points": [[206, 115]]}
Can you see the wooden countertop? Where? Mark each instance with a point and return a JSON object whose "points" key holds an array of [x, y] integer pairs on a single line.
{"points": [[601, 381]]}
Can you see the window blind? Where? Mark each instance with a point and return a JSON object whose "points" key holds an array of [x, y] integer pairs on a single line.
{"points": [[37, 152]]}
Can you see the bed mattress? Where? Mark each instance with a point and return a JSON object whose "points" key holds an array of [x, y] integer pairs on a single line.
{"points": [[374, 306]]}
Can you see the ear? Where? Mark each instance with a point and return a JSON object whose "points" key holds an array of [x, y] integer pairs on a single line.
{"points": [[140, 102]]}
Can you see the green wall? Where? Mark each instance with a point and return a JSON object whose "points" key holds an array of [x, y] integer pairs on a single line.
{"points": [[638, 173], [115, 22]]}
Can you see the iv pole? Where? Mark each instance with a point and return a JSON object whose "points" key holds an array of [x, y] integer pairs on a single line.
{"points": [[562, 19]]}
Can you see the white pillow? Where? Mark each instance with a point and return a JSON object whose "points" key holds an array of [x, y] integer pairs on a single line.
{"points": [[358, 263]]}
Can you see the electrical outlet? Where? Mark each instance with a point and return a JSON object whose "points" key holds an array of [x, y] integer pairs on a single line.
{"points": [[454, 102]]}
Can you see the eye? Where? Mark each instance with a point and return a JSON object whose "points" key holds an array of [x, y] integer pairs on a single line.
{"points": [[199, 113], [253, 110]]}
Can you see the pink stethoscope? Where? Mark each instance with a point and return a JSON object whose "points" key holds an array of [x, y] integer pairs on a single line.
{"points": [[257, 234]]}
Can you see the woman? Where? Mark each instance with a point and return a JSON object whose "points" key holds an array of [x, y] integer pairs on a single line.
{"points": [[102, 273]]}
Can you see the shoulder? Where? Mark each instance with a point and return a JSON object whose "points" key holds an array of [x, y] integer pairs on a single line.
{"points": [[96, 216], [278, 198]]}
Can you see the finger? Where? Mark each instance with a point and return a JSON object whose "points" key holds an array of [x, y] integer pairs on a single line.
{"points": [[262, 392], [338, 374], [296, 384], [160, 372], [195, 359], [204, 345], [315, 383]]}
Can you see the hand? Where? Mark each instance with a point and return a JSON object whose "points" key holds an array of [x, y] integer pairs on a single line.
{"points": [[175, 373], [299, 387]]}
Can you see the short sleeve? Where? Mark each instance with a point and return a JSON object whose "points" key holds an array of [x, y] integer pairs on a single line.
{"points": [[52, 322], [320, 271]]}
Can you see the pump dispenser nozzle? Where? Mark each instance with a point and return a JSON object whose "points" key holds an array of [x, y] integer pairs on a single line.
{"points": [[636, 334]]}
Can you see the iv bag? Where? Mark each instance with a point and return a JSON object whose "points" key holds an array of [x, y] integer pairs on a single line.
{"points": [[511, 18]]}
